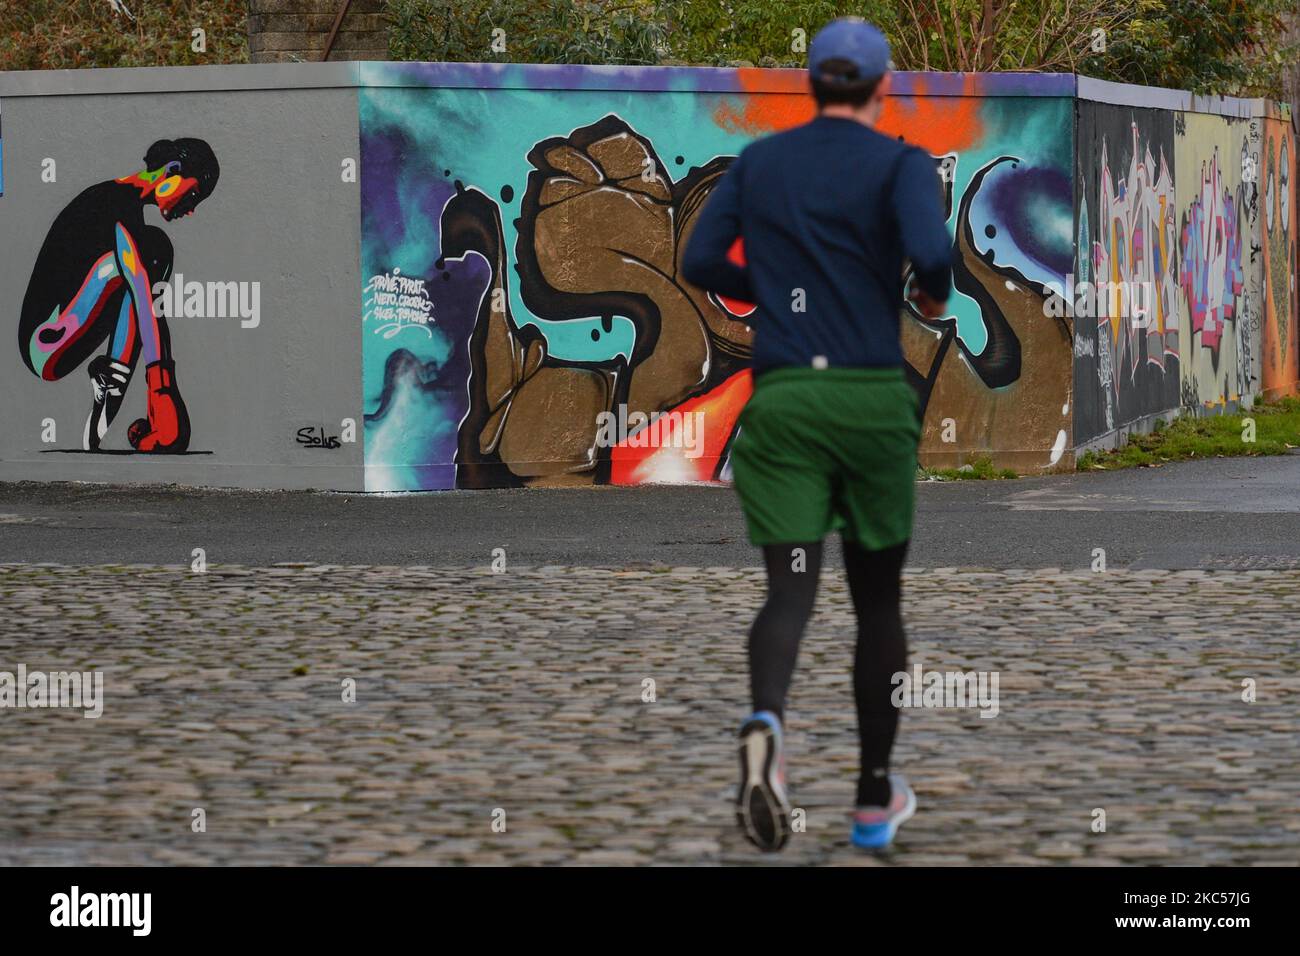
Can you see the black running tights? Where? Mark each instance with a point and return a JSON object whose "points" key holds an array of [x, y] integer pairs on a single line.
{"points": [[875, 583]]}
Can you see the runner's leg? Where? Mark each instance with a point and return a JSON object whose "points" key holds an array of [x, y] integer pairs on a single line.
{"points": [[774, 638], [875, 581]]}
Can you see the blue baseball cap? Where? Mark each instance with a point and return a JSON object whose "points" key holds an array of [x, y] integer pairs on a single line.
{"points": [[852, 39]]}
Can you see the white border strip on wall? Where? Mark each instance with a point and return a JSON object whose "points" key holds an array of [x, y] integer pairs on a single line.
{"points": [[489, 76], [279, 76], [1156, 97], [181, 79]]}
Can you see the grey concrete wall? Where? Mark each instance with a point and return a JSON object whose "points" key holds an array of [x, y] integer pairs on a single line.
{"points": [[281, 215]]}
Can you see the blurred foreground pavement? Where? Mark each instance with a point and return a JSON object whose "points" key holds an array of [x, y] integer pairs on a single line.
{"points": [[523, 691]]}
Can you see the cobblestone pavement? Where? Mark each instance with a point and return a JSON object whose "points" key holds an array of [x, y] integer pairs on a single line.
{"points": [[523, 691]]}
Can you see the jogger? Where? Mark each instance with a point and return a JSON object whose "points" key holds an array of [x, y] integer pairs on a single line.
{"points": [[827, 213]]}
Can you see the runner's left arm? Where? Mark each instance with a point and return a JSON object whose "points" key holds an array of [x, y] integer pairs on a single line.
{"points": [[705, 262]]}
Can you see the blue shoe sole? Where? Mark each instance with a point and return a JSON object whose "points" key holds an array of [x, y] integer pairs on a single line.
{"points": [[877, 836]]}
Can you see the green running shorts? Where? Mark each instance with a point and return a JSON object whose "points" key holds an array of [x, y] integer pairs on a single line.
{"points": [[830, 449]]}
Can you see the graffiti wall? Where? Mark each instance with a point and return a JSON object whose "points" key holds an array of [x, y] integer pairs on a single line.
{"points": [[1216, 200], [1183, 211], [399, 277], [178, 280], [1274, 257], [525, 321], [1126, 348]]}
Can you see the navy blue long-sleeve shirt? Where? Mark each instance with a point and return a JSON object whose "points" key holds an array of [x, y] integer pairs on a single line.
{"points": [[827, 212]]}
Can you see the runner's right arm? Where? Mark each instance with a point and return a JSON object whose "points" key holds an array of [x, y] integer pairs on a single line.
{"points": [[918, 210], [705, 262]]}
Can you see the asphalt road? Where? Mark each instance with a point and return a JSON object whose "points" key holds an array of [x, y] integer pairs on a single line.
{"points": [[1221, 514]]}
